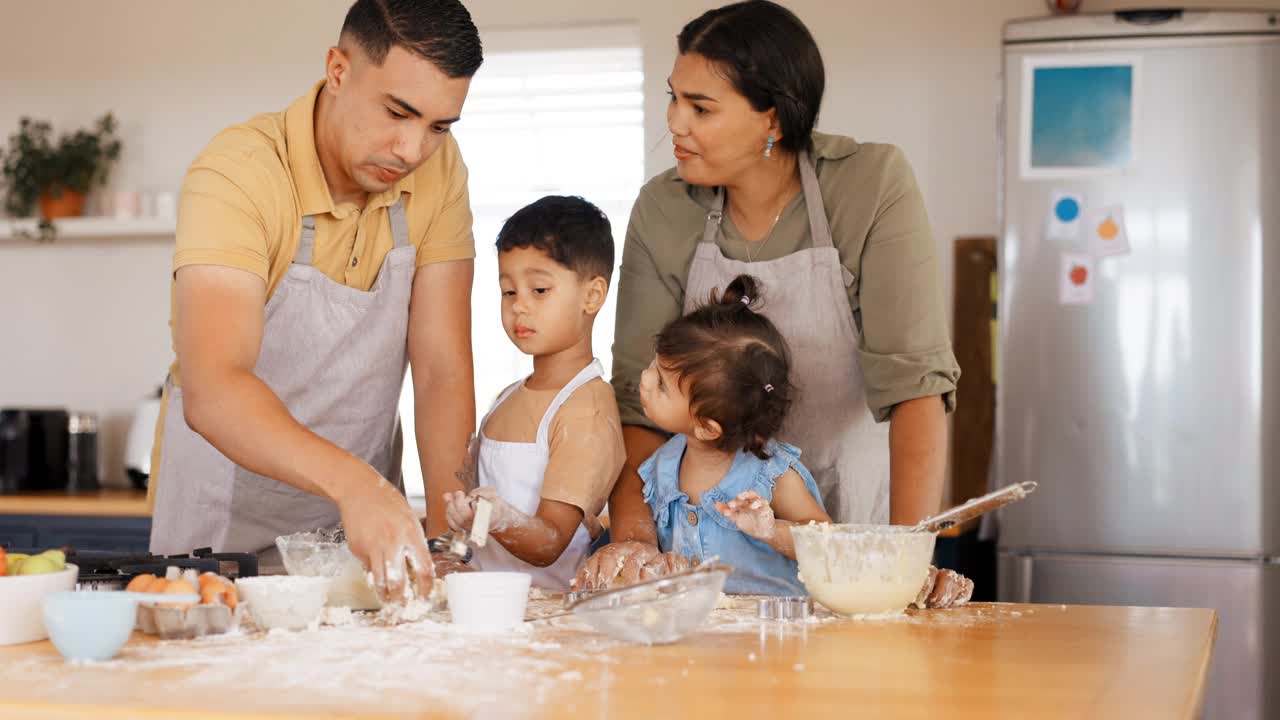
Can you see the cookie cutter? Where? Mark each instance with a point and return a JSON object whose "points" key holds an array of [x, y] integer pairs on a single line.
{"points": [[786, 609]]}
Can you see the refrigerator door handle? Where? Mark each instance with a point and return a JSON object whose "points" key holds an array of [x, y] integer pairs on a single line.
{"points": [[1022, 591]]}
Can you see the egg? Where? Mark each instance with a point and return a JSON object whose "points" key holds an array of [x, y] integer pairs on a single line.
{"points": [[216, 589], [140, 583], [212, 593], [158, 585], [179, 587], [232, 597]]}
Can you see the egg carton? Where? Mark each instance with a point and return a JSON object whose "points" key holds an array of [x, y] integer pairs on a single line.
{"points": [[173, 623]]}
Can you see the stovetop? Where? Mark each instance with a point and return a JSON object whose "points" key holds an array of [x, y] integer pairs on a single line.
{"points": [[110, 569]]}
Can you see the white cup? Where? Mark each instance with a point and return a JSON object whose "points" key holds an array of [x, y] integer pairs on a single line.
{"points": [[166, 205], [487, 600]]}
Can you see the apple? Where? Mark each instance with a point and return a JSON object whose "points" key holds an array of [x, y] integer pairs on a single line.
{"points": [[58, 557], [49, 561], [15, 561], [38, 565]]}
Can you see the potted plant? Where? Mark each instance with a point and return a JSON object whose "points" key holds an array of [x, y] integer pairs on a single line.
{"points": [[56, 176]]}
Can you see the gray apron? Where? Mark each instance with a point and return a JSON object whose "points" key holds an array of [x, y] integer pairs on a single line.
{"points": [[805, 296], [336, 356]]}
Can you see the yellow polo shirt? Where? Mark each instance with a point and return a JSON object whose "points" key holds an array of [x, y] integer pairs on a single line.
{"points": [[244, 197]]}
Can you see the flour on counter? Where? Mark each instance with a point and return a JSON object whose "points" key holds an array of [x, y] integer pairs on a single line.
{"points": [[415, 610], [337, 616], [358, 665]]}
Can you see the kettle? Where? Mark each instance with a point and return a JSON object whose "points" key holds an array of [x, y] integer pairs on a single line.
{"points": [[141, 438]]}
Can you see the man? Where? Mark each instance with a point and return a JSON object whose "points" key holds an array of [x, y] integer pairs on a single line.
{"points": [[318, 250]]}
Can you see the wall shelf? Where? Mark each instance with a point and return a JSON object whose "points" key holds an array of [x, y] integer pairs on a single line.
{"points": [[93, 228]]}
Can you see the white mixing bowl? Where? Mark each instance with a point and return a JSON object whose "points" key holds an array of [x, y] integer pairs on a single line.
{"points": [[22, 603], [863, 569]]}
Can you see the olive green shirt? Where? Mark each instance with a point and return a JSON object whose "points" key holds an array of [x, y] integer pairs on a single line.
{"points": [[878, 225]]}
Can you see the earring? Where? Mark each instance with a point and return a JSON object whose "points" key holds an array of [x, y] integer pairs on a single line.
{"points": [[768, 147]]}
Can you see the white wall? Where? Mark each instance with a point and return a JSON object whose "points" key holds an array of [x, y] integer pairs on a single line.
{"points": [[85, 325]]}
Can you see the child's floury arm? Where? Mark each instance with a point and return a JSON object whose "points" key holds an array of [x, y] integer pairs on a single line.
{"points": [[754, 517], [771, 523], [537, 539]]}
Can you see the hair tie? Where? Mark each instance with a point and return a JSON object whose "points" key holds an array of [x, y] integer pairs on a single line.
{"points": [[746, 300], [768, 388]]}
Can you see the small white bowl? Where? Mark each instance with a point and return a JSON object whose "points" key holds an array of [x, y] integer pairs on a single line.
{"points": [[291, 602], [22, 603], [488, 600]]}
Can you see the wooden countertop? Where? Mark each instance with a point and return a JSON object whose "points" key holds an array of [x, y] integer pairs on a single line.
{"points": [[981, 662], [107, 502]]}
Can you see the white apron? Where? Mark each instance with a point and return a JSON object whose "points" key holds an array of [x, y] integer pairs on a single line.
{"points": [[516, 470]]}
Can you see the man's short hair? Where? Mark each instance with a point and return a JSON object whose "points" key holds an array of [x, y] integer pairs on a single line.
{"points": [[437, 30]]}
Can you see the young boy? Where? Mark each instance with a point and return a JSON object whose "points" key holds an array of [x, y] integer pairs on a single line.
{"points": [[551, 447]]}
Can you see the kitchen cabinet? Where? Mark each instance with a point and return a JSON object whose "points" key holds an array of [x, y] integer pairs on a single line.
{"points": [[106, 520]]}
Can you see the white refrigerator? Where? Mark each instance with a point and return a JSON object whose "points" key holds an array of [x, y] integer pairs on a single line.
{"points": [[1139, 325]]}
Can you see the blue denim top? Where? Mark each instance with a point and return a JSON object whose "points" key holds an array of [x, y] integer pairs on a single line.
{"points": [[700, 531]]}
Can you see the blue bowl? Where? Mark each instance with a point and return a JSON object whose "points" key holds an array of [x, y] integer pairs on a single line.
{"points": [[89, 625]]}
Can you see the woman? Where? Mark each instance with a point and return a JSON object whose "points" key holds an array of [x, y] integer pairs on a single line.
{"points": [[838, 233]]}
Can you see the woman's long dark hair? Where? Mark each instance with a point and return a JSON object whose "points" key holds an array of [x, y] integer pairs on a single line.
{"points": [[769, 56]]}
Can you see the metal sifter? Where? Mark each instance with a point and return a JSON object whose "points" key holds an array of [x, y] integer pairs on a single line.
{"points": [[458, 544]]}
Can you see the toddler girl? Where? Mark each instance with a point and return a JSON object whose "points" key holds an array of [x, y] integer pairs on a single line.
{"points": [[722, 485]]}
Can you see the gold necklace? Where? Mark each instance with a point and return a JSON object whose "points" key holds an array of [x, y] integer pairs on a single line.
{"points": [[767, 237]]}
